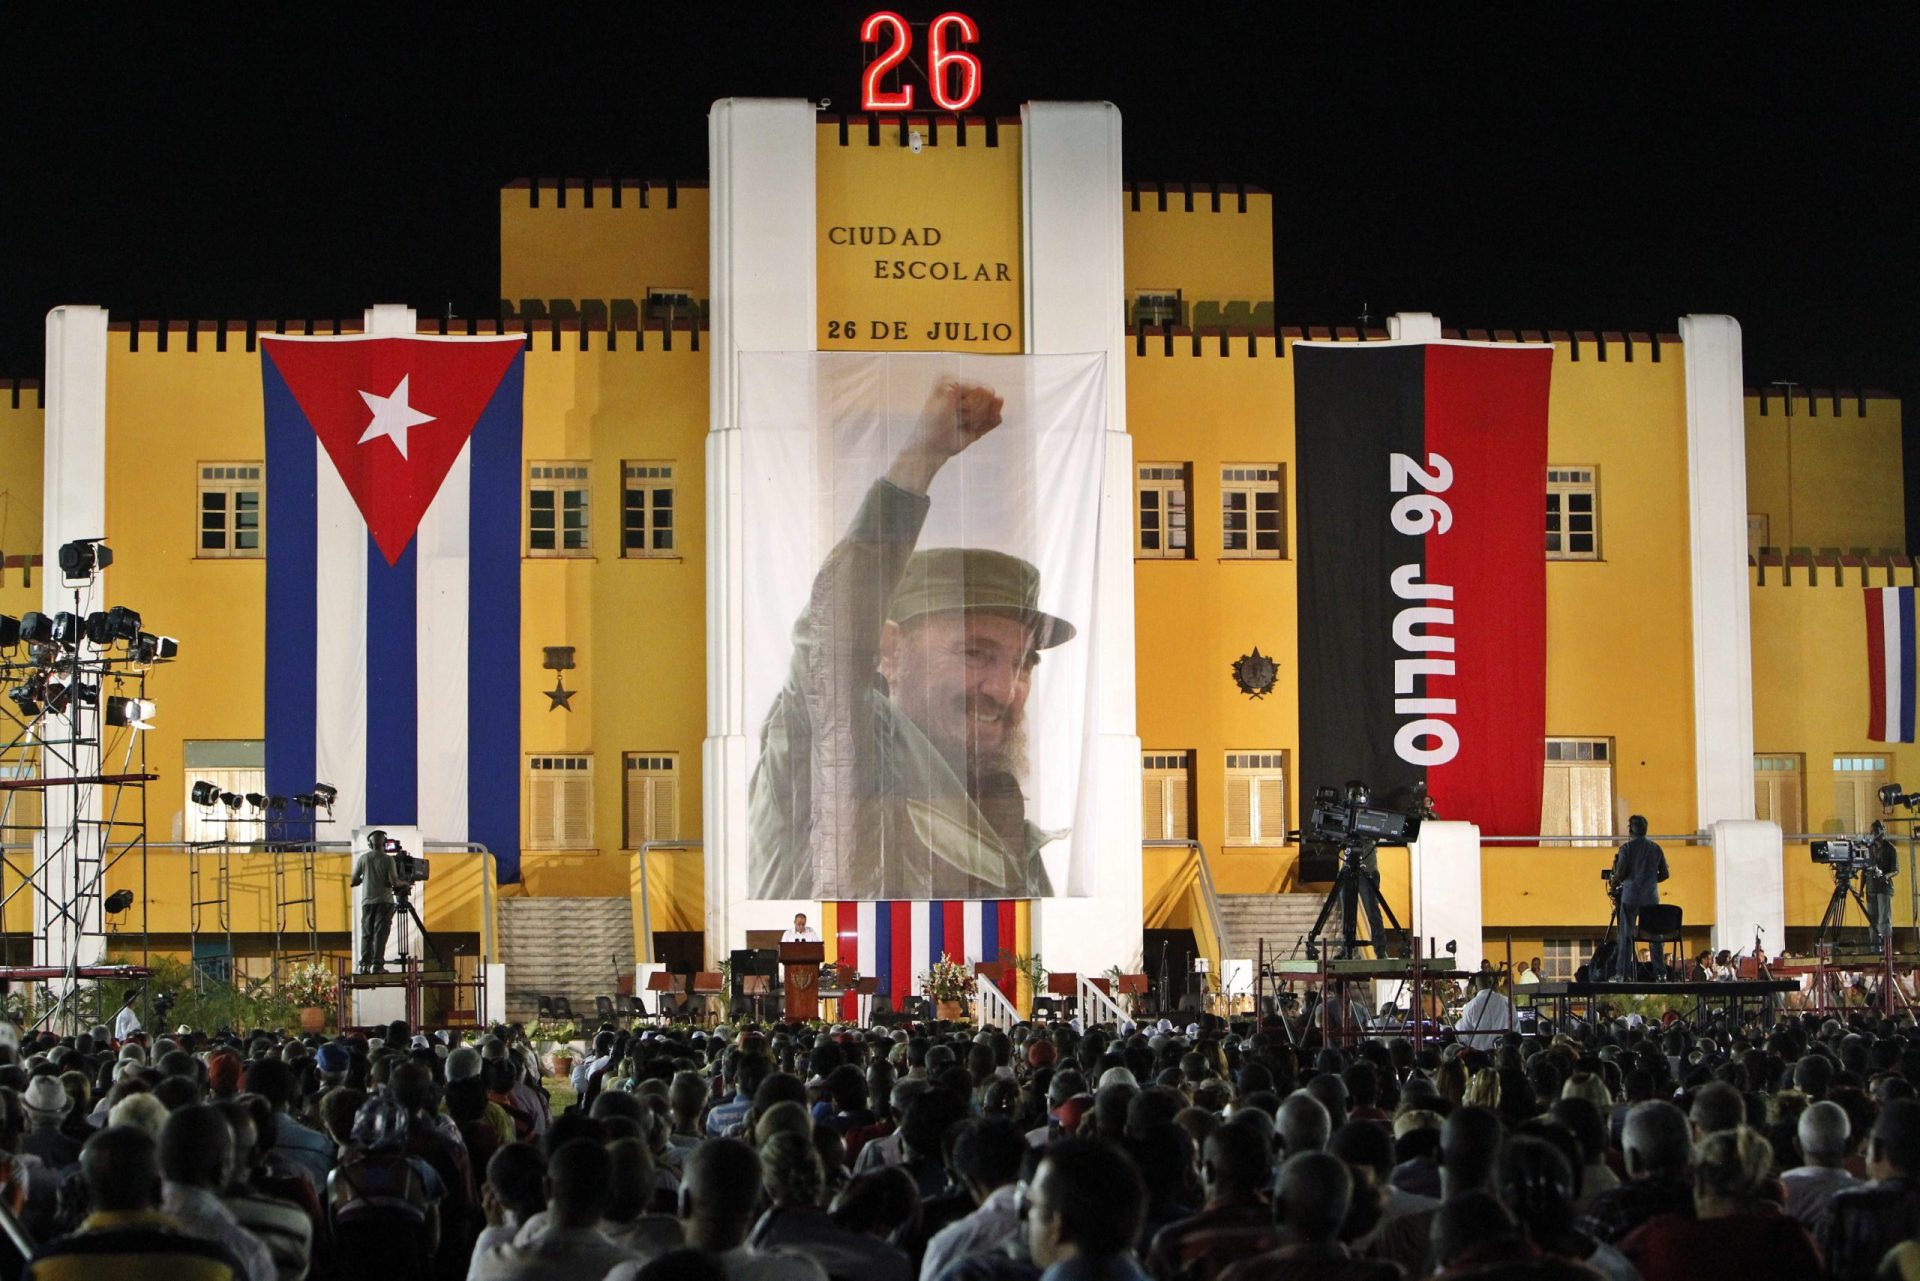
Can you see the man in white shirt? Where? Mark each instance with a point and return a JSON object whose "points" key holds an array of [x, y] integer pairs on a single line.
{"points": [[127, 1022], [1487, 1017], [801, 931]]}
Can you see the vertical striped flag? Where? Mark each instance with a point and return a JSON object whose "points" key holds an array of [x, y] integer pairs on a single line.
{"points": [[896, 942], [1890, 664], [393, 581]]}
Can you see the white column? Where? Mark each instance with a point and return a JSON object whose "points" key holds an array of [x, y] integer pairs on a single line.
{"points": [[73, 505], [1071, 196], [1749, 885], [763, 284], [1717, 528], [1446, 891]]}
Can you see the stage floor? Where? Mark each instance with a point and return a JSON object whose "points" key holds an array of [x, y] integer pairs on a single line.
{"points": [[1729, 988]]}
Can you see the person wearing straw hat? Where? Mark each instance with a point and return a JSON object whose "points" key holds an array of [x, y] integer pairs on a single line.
{"points": [[890, 763]]}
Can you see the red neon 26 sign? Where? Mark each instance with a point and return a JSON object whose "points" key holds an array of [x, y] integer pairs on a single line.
{"points": [[951, 67]]}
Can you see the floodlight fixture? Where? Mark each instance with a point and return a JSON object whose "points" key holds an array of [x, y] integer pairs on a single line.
{"points": [[66, 629], [256, 800], [9, 631], [119, 901], [84, 557], [1893, 796], [26, 698], [204, 793], [230, 799], [61, 693], [325, 794], [134, 713], [36, 628], [148, 648]]}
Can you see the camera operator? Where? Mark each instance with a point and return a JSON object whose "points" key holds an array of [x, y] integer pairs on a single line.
{"points": [[1882, 862], [375, 868]]}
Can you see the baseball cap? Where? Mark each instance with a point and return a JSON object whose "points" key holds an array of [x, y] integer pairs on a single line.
{"points": [[333, 1058], [945, 578]]}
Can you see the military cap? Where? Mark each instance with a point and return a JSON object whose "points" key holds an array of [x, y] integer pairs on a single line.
{"points": [[943, 578]]}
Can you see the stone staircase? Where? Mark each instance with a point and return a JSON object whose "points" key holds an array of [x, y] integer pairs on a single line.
{"points": [[1280, 919], [571, 947]]}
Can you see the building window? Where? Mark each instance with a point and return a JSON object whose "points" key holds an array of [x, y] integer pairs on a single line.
{"points": [[1856, 792], [1253, 522], [1780, 791], [560, 802], [1256, 798], [653, 798], [647, 510], [1559, 958], [1577, 799], [230, 510], [1573, 513], [1161, 307], [1166, 782], [1164, 532], [557, 509]]}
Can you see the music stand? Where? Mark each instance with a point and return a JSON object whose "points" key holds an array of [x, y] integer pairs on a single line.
{"points": [[665, 985], [757, 991], [1062, 998], [863, 999], [1133, 987], [707, 985]]}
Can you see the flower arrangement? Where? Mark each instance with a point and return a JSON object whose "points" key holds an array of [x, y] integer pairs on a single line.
{"points": [[948, 980], [311, 985]]}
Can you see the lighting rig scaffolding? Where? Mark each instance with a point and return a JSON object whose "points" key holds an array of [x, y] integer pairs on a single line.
{"points": [[283, 828], [73, 775]]}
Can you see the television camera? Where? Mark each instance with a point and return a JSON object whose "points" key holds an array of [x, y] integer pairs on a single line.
{"points": [[408, 869], [1353, 825], [1845, 855]]}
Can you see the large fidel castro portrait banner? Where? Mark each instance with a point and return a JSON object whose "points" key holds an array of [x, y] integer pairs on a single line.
{"points": [[919, 574], [1423, 574]]}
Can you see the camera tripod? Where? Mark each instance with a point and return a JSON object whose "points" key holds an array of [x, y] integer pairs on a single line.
{"points": [[1835, 917], [1356, 889], [403, 901]]}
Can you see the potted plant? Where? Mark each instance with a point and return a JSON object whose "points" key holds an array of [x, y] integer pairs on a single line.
{"points": [[314, 989], [558, 1039], [948, 985], [1029, 968]]}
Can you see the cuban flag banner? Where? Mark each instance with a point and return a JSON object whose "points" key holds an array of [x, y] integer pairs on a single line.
{"points": [[896, 942], [393, 581], [1890, 664]]}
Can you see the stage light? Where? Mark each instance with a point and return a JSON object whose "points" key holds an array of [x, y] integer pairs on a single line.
{"points": [[230, 799], [9, 631], [148, 648], [60, 694], [84, 557], [26, 698], [119, 901], [66, 628], [1892, 796], [135, 713], [256, 800], [36, 628], [323, 794], [126, 622], [99, 628], [276, 804], [204, 793]]}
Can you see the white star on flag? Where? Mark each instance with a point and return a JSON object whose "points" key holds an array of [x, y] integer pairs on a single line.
{"points": [[392, 416]]}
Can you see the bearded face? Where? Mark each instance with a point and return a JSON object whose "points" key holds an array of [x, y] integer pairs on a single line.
{"points": [[963, 676]]}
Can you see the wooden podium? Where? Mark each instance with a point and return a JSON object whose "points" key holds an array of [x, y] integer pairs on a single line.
{"points": [[800, 962]]}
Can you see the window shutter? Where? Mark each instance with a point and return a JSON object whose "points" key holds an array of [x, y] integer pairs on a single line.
{"points": [[663, 809], [575, 805], [1590, 800], [1556, 803], [541, 800], [1153, 808], [1272, 796], [1239, 810], [1179, 823]]}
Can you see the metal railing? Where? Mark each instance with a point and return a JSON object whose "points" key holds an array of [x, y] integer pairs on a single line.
{"points": [[1092, 998], [1212, 916], [992, 1004]]}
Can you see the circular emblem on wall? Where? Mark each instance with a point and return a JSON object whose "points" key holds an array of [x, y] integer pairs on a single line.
{"points": [[1254, 673], [803, 979]]}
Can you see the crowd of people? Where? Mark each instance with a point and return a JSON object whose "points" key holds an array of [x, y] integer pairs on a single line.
{"points": [[1211, 1152]]}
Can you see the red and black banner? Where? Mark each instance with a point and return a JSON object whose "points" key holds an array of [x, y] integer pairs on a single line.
{"points": [[1422, 491]]}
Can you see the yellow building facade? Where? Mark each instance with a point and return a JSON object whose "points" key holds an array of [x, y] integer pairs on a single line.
{"points": [[610, 284]]}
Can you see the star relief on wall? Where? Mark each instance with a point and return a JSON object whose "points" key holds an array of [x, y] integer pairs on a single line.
{"points": [[1255, 673], [558, 659]]}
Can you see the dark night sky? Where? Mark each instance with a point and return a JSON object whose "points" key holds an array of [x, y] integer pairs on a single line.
{"points": [[1600, 166]]}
